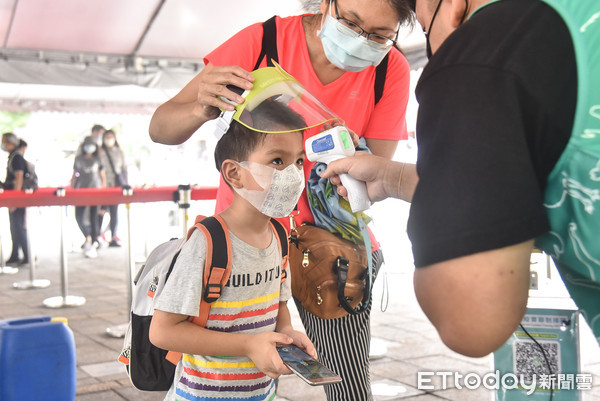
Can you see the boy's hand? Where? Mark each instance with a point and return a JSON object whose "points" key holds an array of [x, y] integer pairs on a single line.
{"points": [[302, 341], [262, 351]]}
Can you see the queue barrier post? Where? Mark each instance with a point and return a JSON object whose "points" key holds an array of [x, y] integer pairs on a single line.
{"points": [[32, 282], [184, 195], [119, 330], [64, 299]]}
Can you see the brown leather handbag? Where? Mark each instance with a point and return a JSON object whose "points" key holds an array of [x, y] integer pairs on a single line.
{"points": [[330, 275]]}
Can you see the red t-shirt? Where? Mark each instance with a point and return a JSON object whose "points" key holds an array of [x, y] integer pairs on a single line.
{"points": [[351, 97]]}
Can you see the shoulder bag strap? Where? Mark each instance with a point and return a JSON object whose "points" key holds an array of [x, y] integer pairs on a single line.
{"points": [[342, 270], [112, 166]]}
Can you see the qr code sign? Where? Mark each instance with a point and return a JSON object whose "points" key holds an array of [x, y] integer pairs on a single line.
{"points": [[529, 360]]}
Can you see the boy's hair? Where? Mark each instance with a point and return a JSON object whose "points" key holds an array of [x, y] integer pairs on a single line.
{"points": [[239, 141]]}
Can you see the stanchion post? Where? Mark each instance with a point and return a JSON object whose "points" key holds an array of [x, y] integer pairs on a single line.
{"points": [[64, 299], [32, 282], [119, 331], [183, 200]]}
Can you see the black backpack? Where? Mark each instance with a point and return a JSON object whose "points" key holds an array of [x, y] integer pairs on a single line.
{"points": [[30, 178]]}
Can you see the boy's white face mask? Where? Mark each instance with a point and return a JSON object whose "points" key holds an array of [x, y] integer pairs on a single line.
{"points": [[274, 192]]}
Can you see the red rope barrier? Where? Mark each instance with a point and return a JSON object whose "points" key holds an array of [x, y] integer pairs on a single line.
{"points": [[97, 196]]}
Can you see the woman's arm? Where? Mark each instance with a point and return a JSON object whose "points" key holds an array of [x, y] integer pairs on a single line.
{"points": [[382, 147], [103, 178]]}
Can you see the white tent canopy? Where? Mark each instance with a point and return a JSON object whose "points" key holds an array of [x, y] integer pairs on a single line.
{"points": [[132, 44]]}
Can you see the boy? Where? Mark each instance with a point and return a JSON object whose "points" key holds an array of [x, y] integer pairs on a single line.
{"points": [[251, 316]]}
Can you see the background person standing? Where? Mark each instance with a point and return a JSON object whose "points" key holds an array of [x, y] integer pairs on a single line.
{"points": [[115, 169], [15, 172], [88, 172]]}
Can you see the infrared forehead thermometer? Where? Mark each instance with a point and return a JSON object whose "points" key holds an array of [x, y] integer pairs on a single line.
{"points": [[333, 144]]}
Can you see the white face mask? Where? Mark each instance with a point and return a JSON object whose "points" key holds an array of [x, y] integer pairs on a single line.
{"points": [[277, 191], [347, 51], [109, 142]]}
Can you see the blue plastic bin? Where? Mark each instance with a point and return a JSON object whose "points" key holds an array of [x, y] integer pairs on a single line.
{"points": [[37, 360]]}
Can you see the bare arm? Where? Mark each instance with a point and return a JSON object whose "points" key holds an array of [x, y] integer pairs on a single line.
{"points": [[382, 147], [18, 180], [477, 301], [177, 119], [174, 332], [103, 178]]}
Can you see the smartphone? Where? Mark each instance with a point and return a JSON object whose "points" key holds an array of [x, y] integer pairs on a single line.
{"points": [[306, 367]]}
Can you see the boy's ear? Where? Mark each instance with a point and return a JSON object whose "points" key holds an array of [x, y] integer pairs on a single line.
{"points": [[232, 173]]}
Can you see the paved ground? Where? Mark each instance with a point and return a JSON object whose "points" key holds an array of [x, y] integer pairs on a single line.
{"points": [[411, 344]]}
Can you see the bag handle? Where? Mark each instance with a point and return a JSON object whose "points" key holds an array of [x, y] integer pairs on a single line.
{"points": [[341, 264]]}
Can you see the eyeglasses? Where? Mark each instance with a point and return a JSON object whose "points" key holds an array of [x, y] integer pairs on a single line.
{"points": [[374, 39]]}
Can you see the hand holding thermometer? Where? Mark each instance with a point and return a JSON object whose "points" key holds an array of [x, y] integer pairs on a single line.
{"points": [[334, 144]]}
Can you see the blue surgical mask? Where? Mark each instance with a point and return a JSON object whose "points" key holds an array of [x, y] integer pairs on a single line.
{"points": [[344, 49], [89, 149]]}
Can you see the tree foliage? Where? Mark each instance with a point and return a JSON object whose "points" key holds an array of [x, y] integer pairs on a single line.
{"points": [[9, 120]]}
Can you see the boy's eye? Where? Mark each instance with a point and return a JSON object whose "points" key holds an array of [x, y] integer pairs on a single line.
{"points": [[277, 161], [300, 162]]}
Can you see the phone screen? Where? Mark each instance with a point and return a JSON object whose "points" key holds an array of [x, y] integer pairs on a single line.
{"points": [[307, 368]]}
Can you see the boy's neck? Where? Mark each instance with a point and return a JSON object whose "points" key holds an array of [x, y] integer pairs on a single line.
{"points": [[247, 223]]}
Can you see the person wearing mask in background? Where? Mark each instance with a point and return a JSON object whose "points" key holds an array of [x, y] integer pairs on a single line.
{"points": [[15, 172], [507, 108], [88, 172], [336, 55], [97, 132], [115, 169]]}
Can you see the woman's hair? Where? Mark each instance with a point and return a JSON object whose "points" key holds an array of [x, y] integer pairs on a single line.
{"points": [[406, 15], [403, 8], [109, 132], [11, 138]]}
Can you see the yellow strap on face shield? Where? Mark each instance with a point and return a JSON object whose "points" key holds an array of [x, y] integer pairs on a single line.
{"points": [[274, 84]]}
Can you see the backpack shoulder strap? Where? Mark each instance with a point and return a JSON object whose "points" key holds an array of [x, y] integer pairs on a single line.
{"points": [[217, 268], [217, 265], [269, 43], [380, 75], [282, 236]]}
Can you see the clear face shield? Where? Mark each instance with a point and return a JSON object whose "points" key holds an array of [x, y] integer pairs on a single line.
{"points": [[277, 103]]}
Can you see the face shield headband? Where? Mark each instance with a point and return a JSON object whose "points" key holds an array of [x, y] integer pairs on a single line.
{"points": [[277, 103]]}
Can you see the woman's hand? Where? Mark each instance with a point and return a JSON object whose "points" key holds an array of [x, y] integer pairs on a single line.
{"points": [[177, 119], [336, 123], [211, 84]]}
